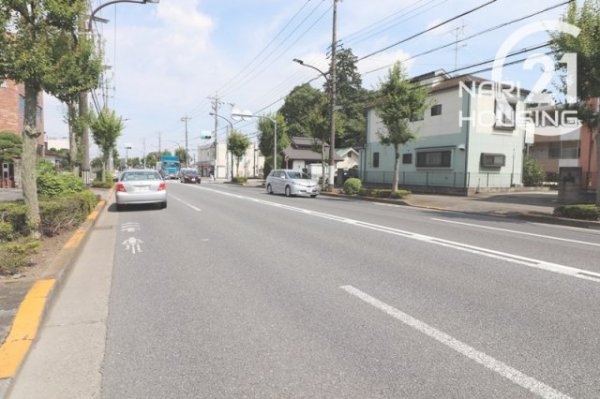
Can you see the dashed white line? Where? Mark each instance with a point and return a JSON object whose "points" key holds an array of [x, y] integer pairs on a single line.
{"points": [[503, 369], [185, 203]]}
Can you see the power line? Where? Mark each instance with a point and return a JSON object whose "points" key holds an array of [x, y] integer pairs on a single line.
{"points": [[379, 27], [480, 33], [428, 30], [245, 67]]}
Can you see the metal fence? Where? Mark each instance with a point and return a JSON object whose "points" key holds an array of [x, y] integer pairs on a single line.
{"points": [[444, 179]]}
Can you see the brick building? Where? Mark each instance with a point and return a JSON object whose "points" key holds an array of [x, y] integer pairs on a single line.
{"points": [[12, 112]]}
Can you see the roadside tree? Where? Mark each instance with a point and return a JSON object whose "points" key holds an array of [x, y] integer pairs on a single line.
{"points": [[31, 52], [106, 128], [398, 101], [265, 139], [238, 144], [585, 46]]}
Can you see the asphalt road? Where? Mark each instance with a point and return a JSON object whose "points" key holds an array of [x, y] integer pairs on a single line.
{"points": [[232, 293]]}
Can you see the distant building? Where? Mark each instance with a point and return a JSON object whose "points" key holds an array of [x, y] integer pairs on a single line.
{"points": [[12, 116]]}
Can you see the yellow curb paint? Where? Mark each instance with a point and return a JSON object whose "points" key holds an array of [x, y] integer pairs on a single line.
{"points": [[75, 239], [94, 214], [25, 327]]}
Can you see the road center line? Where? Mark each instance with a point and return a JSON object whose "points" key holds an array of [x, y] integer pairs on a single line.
{"points": [[517, 232], [504, 256], [506, 371], [185, 203]]}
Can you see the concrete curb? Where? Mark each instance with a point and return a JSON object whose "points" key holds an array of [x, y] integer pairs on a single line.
{"points": [[527, 216], [34, 307]]}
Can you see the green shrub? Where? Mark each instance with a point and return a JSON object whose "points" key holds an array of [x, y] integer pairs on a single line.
{"points": [[239, 179], [533, 173], [54, 185], [65, 213], [398, 194], [15, 214], [352, 186], [7, 233], [381, 193], [365, 192], [583, 212], [16, 255]]}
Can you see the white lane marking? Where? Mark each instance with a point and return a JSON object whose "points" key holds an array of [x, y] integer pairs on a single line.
{"points": [[505, 256], [506, 371], [518, 232], [185, 203]]}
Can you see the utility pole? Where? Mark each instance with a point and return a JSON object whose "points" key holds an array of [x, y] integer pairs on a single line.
{"points": [[83, 111], [185, 120], [216, 103], [332, 85]]}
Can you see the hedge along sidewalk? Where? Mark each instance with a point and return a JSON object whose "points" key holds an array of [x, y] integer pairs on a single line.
{"points": [[31, 312]]}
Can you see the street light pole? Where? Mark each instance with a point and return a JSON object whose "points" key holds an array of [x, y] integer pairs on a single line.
{"points": [[331, 113], [83, 95]]}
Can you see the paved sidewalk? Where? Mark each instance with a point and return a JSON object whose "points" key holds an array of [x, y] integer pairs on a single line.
{"points": [[18, 327]]}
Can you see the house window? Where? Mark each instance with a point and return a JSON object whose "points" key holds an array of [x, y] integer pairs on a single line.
{"points": [[406, 159], [570, 150], [375, 159], [492, 160], [554, 150], [436, 110], [505, 115], [434, 159]]}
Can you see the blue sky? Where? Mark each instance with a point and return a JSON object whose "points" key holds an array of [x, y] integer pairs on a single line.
{"points": [[166, 60]]}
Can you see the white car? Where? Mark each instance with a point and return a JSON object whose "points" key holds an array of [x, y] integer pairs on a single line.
{"points": [[137, 187], [291, 182]]}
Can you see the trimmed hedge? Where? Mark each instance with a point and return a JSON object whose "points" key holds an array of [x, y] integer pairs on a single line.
{"points": [[383, 193], [239, 179], [57, 214], [17, 254], [582, 212]]}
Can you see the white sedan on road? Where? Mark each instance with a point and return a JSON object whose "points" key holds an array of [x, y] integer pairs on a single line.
{"points": [[138, 187]]}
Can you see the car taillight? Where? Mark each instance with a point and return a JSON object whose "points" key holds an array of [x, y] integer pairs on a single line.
{"points": [[121, 187], [162, 186]]}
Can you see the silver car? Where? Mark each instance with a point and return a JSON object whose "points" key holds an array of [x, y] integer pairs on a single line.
{"points": [[144, 186], [291, 182]]}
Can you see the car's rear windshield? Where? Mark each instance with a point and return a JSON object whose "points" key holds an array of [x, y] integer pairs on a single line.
{"points": [[130, 176], [190, 172]]}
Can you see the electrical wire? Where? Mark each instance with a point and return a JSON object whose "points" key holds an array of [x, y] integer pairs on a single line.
{"points": [[428, 30], [480, 33]]}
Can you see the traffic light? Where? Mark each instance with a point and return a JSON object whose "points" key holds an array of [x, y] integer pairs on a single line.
{"points": [[207, 137]]}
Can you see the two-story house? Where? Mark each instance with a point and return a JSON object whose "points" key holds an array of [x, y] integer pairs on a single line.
{"points": [[468, 140]]}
